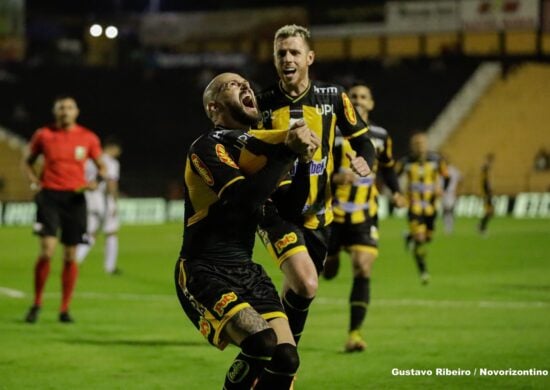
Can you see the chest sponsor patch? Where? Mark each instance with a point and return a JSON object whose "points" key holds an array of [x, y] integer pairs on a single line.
{"points": [[349, 111], [202, 169], [222, 303], [224, 156], [80, 153]]}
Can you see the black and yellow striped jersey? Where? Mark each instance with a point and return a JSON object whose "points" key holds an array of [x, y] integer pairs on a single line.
{"points": [[214, 230], [423, 181], [323, 106], [354, 203]]}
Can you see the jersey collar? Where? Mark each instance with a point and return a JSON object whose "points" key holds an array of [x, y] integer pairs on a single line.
{"points": [[294, 99]]}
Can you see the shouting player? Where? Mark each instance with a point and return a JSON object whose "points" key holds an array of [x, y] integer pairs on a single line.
{"points": [[228, 297], [355, 225], [297, 235]]}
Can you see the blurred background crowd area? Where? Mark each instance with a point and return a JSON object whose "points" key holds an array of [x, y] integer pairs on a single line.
{"points": [[474, 73]]}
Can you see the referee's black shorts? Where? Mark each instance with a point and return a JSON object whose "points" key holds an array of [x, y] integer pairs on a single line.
{"points": [[65, 210]]}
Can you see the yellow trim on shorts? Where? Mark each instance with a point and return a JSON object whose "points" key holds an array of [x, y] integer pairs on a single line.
{"points": [[274, 314], [293, 251], [220, 192], [220, 325], [197, 216], [182, 277], [364, 248], [285, 183]]}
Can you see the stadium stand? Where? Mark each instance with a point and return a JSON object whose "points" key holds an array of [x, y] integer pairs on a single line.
{"points": [[13, 185], [507, 123]]}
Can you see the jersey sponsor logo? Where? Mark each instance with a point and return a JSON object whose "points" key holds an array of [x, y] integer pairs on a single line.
{"points": [[287, 240], [204, 327], [222, 303], [203, 170], [349, 111], [324, 109], [224, 156], [325, 90], [316, 168], [80, 153]]}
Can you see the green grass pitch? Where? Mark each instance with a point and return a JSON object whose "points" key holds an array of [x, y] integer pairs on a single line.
{"points": [[488, 306]]}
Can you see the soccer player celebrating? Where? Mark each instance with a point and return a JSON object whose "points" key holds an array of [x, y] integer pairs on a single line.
{"points": [[355, 204], [486, 193], [423, 170], [60, 201], [102, 207], [228, 297], [297, 234]]}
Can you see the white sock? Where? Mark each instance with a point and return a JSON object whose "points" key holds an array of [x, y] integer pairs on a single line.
{"points": [[111, 252], [82, 250]]}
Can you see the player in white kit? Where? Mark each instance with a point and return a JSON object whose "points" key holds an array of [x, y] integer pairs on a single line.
{"points": [[449, 198], [102, 208]]}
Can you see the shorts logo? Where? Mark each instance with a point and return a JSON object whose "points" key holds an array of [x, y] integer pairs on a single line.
{"points": [[349, 110], [238, 371], [222, 303], [80, 153], [204, 327], [203, 170], [287, 239], [224, 157]]}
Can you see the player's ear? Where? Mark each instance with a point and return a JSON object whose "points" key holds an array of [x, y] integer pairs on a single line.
{"points": [[310, 57], [211, 108]]}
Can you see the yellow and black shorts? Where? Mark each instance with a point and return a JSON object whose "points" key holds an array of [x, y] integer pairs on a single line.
{"points": [[361, 237], [211, 294], [421, 223], [284, 239]]}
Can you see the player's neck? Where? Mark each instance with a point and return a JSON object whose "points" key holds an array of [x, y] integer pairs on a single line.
{"points": [[365, 116], [295, 90]]}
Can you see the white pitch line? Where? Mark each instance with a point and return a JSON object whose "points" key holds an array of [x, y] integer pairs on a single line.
{"points": [[10, 292], [444, 303], [483, 304]]}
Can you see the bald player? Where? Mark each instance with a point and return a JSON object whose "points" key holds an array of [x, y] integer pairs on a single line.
{"points": [[230, 173]]}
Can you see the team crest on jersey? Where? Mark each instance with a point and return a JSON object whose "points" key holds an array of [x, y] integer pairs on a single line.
{"points": [[224, 156], [203, 170], [349, 111], [204, 327], [222, 303], [80, 153], [287, 240]]}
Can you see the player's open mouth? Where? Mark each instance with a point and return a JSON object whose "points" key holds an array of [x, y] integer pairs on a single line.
{"points": [[247, 101], [289, 71]]}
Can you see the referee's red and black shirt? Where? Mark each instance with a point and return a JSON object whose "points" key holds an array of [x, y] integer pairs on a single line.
{"points": [[65, 152]]}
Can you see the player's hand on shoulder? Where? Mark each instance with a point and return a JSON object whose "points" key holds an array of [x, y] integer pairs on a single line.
{"points": [[359, 165], [301, 140], [399, 200]]}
